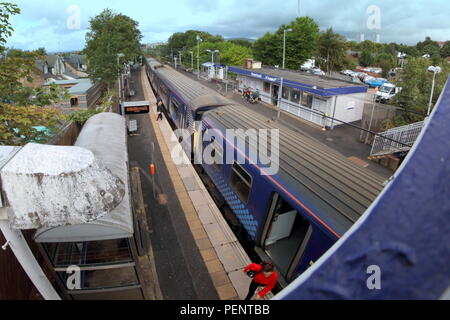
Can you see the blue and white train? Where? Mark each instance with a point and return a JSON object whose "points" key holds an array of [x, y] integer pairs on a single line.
{"points": [[292, 216]]}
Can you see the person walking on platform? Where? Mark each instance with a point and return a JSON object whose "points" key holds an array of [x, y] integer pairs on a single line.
{"points": [[263, 276], [159, 108]]}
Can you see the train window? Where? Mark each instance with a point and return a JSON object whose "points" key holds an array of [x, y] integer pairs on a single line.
{"points": [[295, 96], [307, 99], [217, 153], [174, 107], [241, 182], [286, 92]]}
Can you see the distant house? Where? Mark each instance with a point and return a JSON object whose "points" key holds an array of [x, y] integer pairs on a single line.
{"points": [[55, 64], [76, 65], [441, 44], [84, 94], [42, 66], [77, 61], [354, 54]]}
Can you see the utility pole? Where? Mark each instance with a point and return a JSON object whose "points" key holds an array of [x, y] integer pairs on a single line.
{"points": [[192, 59], [371, 119], [284, 46]]}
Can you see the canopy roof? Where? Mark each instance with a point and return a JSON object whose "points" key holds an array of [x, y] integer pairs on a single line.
{"points": [[105, 136]]}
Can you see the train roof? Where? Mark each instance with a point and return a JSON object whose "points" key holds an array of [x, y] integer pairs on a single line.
{"points": [[333, 188], [192, 92]]}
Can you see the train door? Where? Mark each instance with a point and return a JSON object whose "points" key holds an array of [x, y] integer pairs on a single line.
{"points": [[285, 236]]}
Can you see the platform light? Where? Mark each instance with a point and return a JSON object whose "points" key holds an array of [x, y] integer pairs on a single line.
{"points": [[435, 71]]}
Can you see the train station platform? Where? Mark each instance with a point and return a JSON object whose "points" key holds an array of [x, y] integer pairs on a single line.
{"points": [[196, 255]]}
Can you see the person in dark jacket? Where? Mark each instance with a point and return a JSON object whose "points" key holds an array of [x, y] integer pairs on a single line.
{"points": [[263, 276], [159, 108]]}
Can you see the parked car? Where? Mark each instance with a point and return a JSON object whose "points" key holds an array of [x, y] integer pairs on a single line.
{"points": [[317, 72], [361, 75], [367, 78], [376, 82], [347, 72], [356, 80]]}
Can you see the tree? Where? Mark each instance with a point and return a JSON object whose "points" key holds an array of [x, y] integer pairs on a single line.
{"points": [[387, 62], [332, 50], [183, 40], [24, 116], [267, 49], [6, 30], [242, 42], [416, 83], [301, 44], [445, 51], [111, 34], [366, 58], [229, 53]]}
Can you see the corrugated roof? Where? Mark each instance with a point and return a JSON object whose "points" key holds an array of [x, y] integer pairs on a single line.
{"points": [[192, 92], [302, 77]]}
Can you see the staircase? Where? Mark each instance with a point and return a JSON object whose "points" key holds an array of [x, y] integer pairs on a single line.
{"points": [[400, 139]]}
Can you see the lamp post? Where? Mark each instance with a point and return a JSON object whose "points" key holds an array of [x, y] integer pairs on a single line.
{"points": [[212, 59], [284, 46], [181, 60], [198, 56], [120, 55], [192, 59], [435, 71]]}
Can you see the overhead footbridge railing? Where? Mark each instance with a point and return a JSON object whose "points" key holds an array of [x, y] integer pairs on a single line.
{"points": [[400, 139]]}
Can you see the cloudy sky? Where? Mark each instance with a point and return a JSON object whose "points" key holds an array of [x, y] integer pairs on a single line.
{"points": [[53, 24]]}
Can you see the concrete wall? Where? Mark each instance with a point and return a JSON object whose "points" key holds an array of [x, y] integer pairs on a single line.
{"points": [[349, 108], [381, 113]]}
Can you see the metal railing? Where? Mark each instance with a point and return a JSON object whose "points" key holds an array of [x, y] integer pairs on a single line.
{"points": [[405, 135]]}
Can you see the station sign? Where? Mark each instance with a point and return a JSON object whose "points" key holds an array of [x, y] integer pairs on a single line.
{"points": [[136, 107]]}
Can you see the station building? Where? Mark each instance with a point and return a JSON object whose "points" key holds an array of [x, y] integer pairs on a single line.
{"points": [[307, 96]]}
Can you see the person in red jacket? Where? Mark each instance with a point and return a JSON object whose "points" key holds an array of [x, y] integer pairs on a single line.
{"points": [[264, 276]]}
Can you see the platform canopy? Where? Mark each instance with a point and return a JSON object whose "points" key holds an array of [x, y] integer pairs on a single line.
{"points": [[105, 136]]}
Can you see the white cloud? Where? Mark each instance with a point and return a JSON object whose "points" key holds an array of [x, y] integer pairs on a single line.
{"points": [[44, 23]]}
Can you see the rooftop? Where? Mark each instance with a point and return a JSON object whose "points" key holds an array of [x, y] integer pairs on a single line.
{"points": [[320, 85], [79, 86]]}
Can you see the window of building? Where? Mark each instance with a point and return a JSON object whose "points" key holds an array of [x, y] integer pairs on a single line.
{"points": [[286, 92], [267, 87], [104, 279], [94, 253], [74, 102], [307, 100], [295, 96], [241, 182]]}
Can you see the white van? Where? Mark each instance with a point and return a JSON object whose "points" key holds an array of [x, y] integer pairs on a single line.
{"points": [[387, 92]]}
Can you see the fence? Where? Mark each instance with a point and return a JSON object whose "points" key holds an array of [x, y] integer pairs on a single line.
{"points": [[405, 135]]}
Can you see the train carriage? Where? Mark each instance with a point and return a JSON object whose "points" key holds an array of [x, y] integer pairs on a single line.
{"points": [[185, 100], [298, 213], [292, 216]]}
